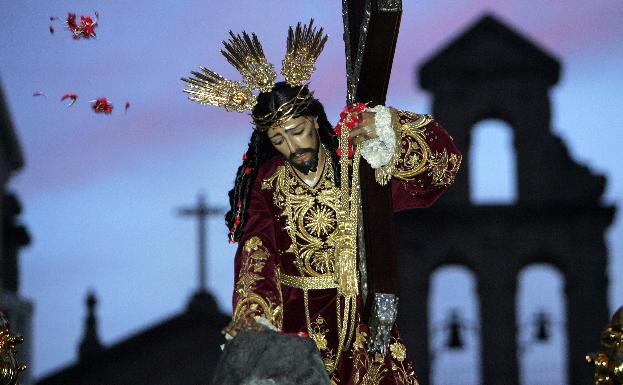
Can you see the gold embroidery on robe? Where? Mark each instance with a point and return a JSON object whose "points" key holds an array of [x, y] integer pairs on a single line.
{"points": [[311, 217], [402, 368], [416, 156], [414, 151], [360, 340], [368, 369], [442, 167], [318, 333], [251, 306]]}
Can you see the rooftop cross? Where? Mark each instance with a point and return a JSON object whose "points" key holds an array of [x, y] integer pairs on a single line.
{"points": [[201, 211]]}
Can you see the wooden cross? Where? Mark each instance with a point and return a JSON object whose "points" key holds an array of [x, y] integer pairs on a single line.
{"points": [[201, 211], [370, 34]]}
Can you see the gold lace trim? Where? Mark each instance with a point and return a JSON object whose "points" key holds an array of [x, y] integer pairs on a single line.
{"points": [[416, 157], [250, 306], [309, 283], [414, 151]]}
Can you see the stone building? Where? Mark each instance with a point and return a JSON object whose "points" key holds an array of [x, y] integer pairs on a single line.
{"points": [[13, 237], [491, 71], [181, 350]]}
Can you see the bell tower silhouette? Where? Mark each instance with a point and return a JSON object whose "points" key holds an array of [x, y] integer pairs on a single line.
{"points": [[491, 71]]}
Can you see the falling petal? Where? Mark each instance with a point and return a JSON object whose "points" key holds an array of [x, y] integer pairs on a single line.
{"points": [[101, 105], [71, 97], [83, 30], [87, 27], [71, 20]]}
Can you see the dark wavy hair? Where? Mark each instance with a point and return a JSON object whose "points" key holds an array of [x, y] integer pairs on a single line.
{"points": [[261, 150]]}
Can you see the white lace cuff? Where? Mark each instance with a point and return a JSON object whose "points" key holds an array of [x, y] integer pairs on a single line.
{"points": [[379, 151]]}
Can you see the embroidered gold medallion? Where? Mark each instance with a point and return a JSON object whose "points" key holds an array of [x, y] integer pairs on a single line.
{"points": [[311, 217]]}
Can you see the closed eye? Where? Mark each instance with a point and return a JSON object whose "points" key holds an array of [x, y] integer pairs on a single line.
{"points": [[277, 140]]}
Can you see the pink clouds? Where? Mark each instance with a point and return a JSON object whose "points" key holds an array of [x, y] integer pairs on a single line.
{"points": [[558, 26], [571, 29], [103, 146], [108, 146]]}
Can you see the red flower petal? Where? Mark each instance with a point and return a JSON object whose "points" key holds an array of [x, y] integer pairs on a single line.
{"points": [[101, 105], [71, 21], [70, 96], [84, 30]]}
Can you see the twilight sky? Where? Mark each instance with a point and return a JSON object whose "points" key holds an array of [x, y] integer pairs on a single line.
{"points": [[100, 192]]}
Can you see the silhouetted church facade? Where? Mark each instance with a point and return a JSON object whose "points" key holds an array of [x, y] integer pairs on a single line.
{"points": [[492, 72], [181, 350], [13, 236]]}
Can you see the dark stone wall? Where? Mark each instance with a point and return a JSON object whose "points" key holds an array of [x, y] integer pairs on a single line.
{"points": [[491, 71]]}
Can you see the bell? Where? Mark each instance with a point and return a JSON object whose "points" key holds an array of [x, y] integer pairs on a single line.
{"points": [[542, 327], [455, 340]]}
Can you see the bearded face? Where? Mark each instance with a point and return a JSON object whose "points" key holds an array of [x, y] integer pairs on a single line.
{"points": [[297, 140]]}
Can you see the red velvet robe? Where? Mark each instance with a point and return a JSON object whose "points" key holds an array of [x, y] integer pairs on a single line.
{"points": [[289, 233]]}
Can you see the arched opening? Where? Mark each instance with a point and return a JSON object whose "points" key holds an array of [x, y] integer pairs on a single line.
{"points": [[492, 164], [541, 326], [454, 336]]}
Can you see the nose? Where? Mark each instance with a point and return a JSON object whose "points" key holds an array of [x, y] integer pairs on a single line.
{"points": [[291, 146]]}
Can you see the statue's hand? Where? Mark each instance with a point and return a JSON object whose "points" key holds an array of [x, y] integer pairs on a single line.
{"points": [[382, 318], [365, 130]]}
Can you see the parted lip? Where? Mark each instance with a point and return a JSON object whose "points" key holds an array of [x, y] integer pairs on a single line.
{"points": [[300, 156]]}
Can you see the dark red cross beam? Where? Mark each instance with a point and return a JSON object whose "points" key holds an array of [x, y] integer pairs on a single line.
{"points": [[370, 34]]}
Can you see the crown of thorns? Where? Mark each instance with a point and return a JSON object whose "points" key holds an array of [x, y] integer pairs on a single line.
{"points": [[245, 53]]}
